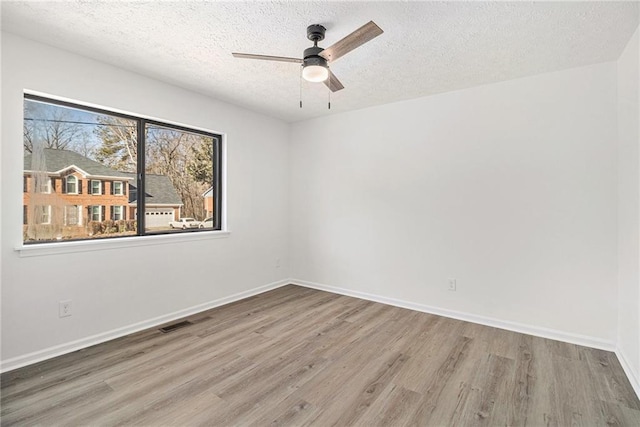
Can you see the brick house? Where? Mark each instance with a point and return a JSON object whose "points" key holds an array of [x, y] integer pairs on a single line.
{"points": [[66, 188], [208, 202]]}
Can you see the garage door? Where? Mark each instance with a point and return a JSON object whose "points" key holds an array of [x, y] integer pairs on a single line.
{"points": [[158, 217]]}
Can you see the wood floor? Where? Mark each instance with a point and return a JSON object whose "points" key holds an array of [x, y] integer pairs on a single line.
{"points": [[297, 356]]}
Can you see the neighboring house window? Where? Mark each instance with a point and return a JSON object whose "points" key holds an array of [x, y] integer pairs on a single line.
{"points": [[42, 214], [117, 213], [151, 166], [43, 185], [116, 188], [96, 186], [96, 213], [72, 215], [71, 185]]}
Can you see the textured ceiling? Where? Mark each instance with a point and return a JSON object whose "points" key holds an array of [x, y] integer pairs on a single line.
{"points": [[426, 48]]}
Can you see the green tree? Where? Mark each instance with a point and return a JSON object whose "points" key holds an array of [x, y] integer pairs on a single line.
{"points": [[200, 166]]}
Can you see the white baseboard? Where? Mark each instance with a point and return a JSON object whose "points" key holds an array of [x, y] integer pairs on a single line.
{"points": [[553, 334], [631, 375], [51, 352]]}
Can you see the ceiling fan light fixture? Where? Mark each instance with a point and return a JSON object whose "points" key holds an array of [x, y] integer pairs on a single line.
{"points": [[314, 67], [315, 60], [315, 73]]}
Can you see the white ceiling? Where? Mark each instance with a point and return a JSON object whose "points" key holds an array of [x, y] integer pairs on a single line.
{"points": [[426, 48]]}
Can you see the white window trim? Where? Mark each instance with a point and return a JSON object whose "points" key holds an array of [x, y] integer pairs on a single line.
{"points": [[66, 216], [48, 215], [43, 249], [99, 193], [66, 187], [56, 248], [78, 215], [121, 193], [47, 188], [38, 212], [99, 213], [121, 208]]}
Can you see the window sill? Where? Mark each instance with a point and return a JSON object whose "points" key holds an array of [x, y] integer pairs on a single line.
{"points": [[56, 248]]}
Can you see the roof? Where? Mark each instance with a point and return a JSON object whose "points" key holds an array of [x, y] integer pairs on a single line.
{"points": [[56, 161], [160, 190], [208, 193]]}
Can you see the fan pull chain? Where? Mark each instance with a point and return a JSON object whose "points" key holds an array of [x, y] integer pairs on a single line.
{"points": [[329, 104], [301, 87]]}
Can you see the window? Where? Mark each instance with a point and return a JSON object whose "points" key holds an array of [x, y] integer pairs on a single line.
{"points": [[71, 185], [43, 185], [96, 187], [96, 213], [151, 166], [72, 215], [116, 188], [117, 213], [42, 214]]}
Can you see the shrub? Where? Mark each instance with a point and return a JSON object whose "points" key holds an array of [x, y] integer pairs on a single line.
{"points": [[94, 227], [131, 225], [108, 226]]}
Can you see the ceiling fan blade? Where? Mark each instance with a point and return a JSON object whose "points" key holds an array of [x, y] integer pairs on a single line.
{"points": [[267, 57], [356, 39], [333, 83]]}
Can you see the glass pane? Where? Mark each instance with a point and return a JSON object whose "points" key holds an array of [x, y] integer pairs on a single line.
{"points": [[178, 180], [72, 157]]}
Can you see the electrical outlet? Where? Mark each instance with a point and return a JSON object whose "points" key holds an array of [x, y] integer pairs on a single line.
{"points": [[452, 285], [278, 263], [64, 308]]}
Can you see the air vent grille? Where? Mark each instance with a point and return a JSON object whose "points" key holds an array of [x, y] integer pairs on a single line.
{"points": [[174, 326]]}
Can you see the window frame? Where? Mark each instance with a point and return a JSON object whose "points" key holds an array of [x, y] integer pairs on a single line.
{"points": [[113, 188], [120, 208], [78, 215], [141, 123], [92, 208], [66, 184], [42, 211], [93, 192], [46, 189]]}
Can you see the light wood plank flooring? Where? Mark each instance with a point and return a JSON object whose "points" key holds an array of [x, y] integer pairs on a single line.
{"points": [[297, 356]]}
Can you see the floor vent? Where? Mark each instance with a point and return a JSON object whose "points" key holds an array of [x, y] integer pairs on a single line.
{"points": [[175, 326]]}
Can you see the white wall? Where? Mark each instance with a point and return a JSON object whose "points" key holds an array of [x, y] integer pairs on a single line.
{"points": [[512, 188], [509, 187], [629, 208], [117, 288]]}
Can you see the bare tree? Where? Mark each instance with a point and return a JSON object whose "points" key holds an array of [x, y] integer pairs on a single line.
{"points": [[51, 126], [170, 152], [119, 148], [180, 156]]}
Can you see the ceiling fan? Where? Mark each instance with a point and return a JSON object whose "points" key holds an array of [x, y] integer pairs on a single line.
{"points": [[315, 60]]}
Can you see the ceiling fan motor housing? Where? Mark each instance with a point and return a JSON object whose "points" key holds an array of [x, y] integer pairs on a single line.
{"points": [[312, 57]]}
